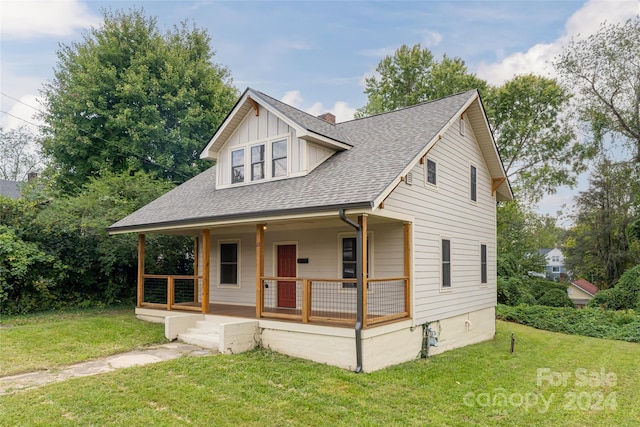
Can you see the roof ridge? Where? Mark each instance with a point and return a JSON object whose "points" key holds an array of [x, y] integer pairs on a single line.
{"points": [[410, 106], [291, 106]]}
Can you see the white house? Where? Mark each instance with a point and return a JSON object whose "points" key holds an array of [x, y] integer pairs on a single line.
{"points": [[334, 242], [554, 268]]}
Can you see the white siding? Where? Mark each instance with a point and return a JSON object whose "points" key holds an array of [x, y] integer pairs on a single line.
{"points": [[316, 154], [321, 246], [447, 211], [302, 156]]}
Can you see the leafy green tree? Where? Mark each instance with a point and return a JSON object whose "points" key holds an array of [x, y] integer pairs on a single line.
{"points": [[412, 76], [17, 157], [604, 70], [625, 295], [599, 246], [519, 240], [99, 267], [128, 97], [538, 145]]}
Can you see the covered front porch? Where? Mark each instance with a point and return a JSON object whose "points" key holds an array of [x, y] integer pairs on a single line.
{"points": [[304, 270]]}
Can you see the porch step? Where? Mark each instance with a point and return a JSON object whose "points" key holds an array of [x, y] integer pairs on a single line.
{"points": [[201, 340], [205, 334]]}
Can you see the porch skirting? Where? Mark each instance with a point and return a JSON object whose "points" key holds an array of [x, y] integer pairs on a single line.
{"points": [[382, 346]]}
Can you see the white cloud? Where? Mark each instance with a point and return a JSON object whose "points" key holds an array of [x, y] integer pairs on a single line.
{"points": [[26, 19], [340, 109], [538, 58], [378, 53], [431, 38], [23, 113], [293, 98]]}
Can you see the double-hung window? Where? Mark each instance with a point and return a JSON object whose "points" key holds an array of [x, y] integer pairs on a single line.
{"points": [[483, 264], [349, 260], [229, 263], [446, 263], [431, 172], [473, 184], [237, 166], [257, 162], [279, 158]]}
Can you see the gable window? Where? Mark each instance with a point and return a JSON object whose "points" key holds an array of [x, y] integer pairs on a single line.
{"points": [[431, 172], [483, 263], [446, 263], [229, 263], [555, 258], [237, 166], [472, 180], [279, 158], [257, 162]]}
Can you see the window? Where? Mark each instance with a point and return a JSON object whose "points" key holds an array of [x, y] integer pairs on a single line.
{"points": [[257, 162], [279, 158], [349, 261], [474, 195], [237, 166], [431, 172], [555, 269], [229, 263], [483, 263], [555, 258], [446, 263]]}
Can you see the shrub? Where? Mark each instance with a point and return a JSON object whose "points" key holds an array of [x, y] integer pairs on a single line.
{"points": [[624, 295], [592, 322]]}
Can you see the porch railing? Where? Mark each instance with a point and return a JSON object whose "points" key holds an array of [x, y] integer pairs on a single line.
{"points": [[333, 300], [171, 292]]}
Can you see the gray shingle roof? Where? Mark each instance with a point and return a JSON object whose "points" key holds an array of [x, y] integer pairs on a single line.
{"points": [[383, 146], [10, 189], [305, 120]]}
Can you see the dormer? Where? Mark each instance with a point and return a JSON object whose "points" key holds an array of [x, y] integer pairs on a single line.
{"points": [[263, 139]]}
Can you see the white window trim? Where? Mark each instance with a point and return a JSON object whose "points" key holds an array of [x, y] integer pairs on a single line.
{"points": [[267, 142], [426, 173], [463, 125], [370, 264], [219, 283], [264, 169], [473, 202], [486, 284], [441, 275]]}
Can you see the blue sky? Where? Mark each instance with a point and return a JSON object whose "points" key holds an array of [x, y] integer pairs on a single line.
{"points": [[313, 55]]}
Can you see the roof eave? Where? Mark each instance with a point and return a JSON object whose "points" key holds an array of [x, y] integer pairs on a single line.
{"points": [[204, 222]]}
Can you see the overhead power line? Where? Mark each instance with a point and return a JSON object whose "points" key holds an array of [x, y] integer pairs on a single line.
{"points": [[19, 118], [21, 102]]}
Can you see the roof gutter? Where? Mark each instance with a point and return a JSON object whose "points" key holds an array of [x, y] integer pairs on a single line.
{"points": [[360, 293]]}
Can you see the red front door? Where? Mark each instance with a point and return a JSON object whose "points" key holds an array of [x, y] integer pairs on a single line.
{"points": [[287, 268]]}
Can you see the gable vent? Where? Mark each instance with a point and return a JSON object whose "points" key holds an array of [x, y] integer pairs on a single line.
{"points": [[409, 178]]}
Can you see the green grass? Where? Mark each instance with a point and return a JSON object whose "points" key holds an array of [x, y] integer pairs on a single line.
{"points": [[46, 341], [261, 388]]}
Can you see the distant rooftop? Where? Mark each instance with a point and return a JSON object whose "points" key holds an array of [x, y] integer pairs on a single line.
{"points": [[10, 189]]}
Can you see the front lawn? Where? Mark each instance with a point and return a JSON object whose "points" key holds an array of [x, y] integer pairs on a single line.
{"points": [[45, 341], [551, 379]]}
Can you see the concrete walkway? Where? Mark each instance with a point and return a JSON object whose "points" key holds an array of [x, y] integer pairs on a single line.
{"points": [[154, 354]]}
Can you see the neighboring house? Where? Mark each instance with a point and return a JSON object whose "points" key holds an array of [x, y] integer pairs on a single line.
{"points": [[554, 268], [10, 189], [581, 292], [337, 241]]}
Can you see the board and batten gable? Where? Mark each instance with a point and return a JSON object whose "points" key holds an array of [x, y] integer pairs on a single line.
{"points": [[445, 210], [302, 156]]}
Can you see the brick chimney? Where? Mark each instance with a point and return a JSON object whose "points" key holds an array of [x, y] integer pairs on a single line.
{"points": [[328, 117]]}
